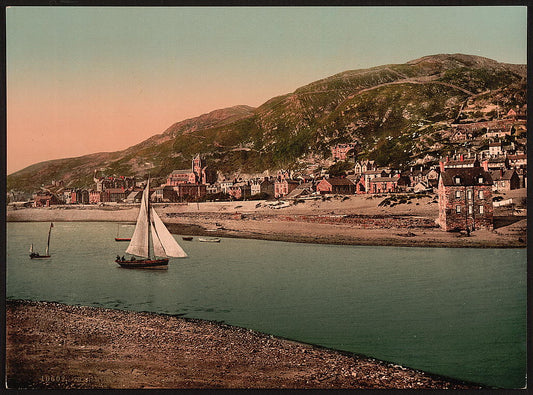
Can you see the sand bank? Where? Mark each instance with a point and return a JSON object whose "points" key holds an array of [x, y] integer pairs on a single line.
{"points": [[357, 220], [55, 346]]}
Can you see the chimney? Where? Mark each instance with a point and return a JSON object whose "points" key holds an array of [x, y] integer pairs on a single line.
{"points": [[461, 157], [485, 165], [441, 165]]}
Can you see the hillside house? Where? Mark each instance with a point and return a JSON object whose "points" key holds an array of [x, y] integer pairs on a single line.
{"points": [[240, 190], [364, 166], [283, 187], [465, 199], [499, 162], [134, 196], [505, 180], [517, 161], [495, 149], [191, 191], [421, 187], [113, 195], [45, 199], [255, 187], [95, 196], [369, 175], [67, 196], [301, 190], [164, 194], [340, 151], [462, 162], [79, 196], [342, 186], [498, 133], [212, 189], [267, 187], [383, 185], [225, 185]]}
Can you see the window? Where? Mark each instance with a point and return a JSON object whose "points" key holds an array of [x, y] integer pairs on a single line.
{"points": [[480, 179], [481, 195], [457, 209], [470, 209], [457, 180], [469, 194], [457, 194], [481, 209]]}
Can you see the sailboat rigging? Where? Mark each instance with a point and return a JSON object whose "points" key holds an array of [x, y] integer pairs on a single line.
{"points": [[161, 242], [36, 255]]}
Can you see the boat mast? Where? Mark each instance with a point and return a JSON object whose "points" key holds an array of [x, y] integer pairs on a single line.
{"points": [[49, 232], [149, 221]]}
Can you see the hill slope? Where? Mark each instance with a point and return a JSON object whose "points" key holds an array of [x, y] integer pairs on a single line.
{"points": [[385, 109]]}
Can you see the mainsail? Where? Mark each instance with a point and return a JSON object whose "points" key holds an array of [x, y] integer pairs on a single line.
{"points": [[139, 241], [148, 222]]}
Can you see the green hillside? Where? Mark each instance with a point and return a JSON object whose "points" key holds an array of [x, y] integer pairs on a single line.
{"points": [[386, 109]]}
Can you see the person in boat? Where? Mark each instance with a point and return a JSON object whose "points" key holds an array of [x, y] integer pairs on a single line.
{"points": [[132, 258], [122, 258], [118, 258]]}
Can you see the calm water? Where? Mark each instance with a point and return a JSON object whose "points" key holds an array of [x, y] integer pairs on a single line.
{"points": [[455, 312]]}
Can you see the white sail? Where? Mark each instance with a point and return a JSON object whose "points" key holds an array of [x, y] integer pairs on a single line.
{"points": [[169, 244], [31, 248], [139, 241], [158, 247]]}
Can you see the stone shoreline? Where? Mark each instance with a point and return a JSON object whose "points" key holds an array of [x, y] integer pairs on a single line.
{"points": [[57, 346]]}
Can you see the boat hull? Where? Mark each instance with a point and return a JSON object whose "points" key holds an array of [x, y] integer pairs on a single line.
{"points": [[36, 256], [122, 239], [144, 264]]}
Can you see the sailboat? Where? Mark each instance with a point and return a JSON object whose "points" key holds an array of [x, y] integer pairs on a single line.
{"points": [[36, 255], [121, 238], [151, 239]]}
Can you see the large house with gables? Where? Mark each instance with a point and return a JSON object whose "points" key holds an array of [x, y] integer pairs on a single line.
{"points": [[465, 199]]}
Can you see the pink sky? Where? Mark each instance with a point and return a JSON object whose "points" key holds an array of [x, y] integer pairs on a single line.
{"points": [[82, 80]]}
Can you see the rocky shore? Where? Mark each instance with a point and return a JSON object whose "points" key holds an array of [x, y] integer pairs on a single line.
{"points": [[56, 346]]}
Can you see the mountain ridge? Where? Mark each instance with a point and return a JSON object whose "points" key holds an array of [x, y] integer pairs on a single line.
{"points": [[366, 106]]}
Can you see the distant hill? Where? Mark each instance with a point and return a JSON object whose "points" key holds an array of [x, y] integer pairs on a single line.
{"points": [[387, 109]]}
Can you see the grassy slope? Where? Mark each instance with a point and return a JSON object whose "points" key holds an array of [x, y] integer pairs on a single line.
{"points": [[382, 108]]}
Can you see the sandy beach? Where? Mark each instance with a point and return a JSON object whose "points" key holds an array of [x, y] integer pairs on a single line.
{"points": [[56, 346], [355, 220]]}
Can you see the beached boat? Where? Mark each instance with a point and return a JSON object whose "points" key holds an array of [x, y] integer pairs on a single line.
{"points": [[210, 240], [36, 255], [151, 240], [187, 238], [121, 238]]}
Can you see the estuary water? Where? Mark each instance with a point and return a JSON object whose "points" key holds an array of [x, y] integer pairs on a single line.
{"points": [[456, 312]]}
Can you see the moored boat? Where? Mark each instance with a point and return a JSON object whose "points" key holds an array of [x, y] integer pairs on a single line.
{"points": [[121, 238], [209, 240], [36, 255], [187, 238]]}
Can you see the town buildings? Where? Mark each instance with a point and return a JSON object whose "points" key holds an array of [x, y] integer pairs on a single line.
{"points": [[335, 185]]}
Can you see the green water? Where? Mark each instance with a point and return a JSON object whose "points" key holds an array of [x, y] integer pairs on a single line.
{"points": [[455, 312]]}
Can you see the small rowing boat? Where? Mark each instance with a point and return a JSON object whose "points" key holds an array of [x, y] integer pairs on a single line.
{"points": [[209, 240]]}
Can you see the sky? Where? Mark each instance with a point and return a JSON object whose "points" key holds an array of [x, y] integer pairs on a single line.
{"points": [[82, 80]]}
